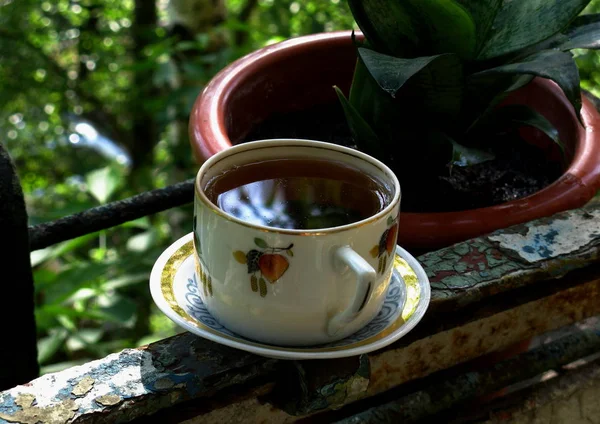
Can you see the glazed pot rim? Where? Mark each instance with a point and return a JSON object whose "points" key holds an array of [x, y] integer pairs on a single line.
{"points": [[577, 181]]}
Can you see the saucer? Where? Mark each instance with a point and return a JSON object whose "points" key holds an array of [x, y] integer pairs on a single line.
{"points": [[174, 289]]}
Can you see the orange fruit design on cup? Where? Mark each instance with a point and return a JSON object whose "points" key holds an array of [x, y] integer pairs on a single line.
{"points": [[386, 245], [266, 263]]}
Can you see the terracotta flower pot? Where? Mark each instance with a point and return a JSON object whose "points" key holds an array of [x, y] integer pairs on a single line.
{"points": [[299, 73]]}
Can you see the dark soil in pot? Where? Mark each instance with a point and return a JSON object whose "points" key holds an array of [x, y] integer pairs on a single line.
{"points": [[519, 169]]}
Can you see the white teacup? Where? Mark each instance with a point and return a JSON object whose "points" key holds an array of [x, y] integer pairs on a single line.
{"points": [[331, 282]]}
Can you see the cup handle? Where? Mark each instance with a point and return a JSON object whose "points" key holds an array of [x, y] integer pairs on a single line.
{"points": [[365, 277]]}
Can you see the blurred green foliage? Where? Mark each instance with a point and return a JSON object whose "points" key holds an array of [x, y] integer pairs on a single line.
{"points": [[75, 78], [588, 61]]}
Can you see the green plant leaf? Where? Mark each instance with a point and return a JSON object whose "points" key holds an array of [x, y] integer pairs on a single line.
{"points": [[485, 93], [583, 33], [83, 338], [483, 13], [374, 110], [118, 309], [391, 73], [521, 23], [447, 25], [142, 242], [126, 280], [555, 65], [73, 278], [49, 345], [40, 256], [387, 25], [435, 83], [515, 116], [467, 156], [103, 182], [364, 136], [260, 243]]}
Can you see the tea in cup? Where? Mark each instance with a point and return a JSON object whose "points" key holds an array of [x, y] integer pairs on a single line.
{"points": [[294, 239]]}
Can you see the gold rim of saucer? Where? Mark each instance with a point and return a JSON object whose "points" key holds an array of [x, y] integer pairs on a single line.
{"points": [[413, 296]]}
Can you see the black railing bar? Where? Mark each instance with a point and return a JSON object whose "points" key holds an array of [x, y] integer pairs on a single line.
{"points": [[110, 215]]}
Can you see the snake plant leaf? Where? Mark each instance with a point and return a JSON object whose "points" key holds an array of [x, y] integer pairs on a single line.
{"points": [[521, 23], [438, 80], [468, 156], [484, 94], [515, 116], [447, 25], [460, 155], [583, 33], [555, 65], [483, 13], [365, 138], [387, 25], [390, 72]]}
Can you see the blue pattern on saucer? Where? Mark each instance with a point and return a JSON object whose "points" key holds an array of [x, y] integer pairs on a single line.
{"points": [[391, 309], [197, 310]]}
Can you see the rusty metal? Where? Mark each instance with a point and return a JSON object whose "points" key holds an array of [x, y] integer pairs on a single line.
{"points": [[110, 215], [442, 395], [18, 352]]}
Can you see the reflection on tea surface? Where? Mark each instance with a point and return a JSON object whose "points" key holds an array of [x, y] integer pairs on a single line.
{"points": [[297, 194]]}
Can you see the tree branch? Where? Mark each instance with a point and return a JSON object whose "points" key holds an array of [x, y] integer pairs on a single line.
{"points": [[243, 17]]}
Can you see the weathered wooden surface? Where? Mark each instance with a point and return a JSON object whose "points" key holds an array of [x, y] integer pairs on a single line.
{"points": [[322, 384], [514, 257], [570, 395], [462, 323], [155, 377], [440, 351], [439, 396]]}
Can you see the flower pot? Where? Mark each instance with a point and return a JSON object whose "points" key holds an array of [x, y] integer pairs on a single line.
{"points": [[299, 73]]}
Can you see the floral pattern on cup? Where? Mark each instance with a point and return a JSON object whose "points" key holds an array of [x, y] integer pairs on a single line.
{"points": [[386, 246], [266, 263], [203, 274], [201, 269]]}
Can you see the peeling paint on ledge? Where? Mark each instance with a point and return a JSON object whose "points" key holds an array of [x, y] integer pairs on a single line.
{"points": [[467, 272], [559, 237], [157, 376]]}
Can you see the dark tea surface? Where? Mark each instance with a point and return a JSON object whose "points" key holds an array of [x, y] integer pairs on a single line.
{"points": [[303, 194]]}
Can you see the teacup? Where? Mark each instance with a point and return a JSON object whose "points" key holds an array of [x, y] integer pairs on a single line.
{"points": [[318, 285]]}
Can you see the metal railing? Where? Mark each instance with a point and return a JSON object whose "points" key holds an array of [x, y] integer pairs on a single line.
{"points": [[18, 351]]}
